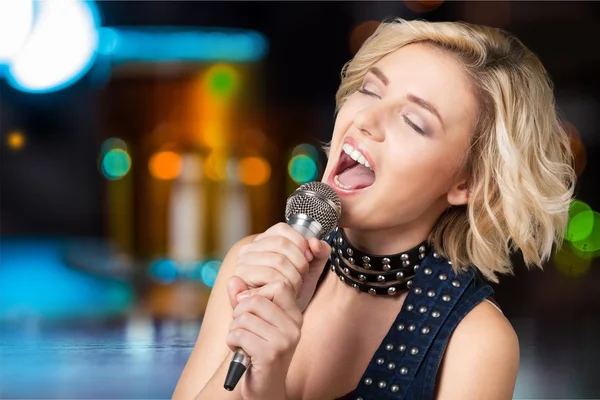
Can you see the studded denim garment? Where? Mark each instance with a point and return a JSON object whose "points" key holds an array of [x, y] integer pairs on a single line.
{"points": [[406, 364]]}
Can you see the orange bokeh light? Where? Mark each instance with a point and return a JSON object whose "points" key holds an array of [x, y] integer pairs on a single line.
{"points": [[254, 171], [15, 140], [165, 165]]}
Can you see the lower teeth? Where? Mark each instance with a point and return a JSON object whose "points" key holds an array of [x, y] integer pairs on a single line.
{"points": [[337, 182]]}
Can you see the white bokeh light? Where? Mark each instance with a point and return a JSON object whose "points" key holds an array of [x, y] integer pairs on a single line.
{"points": [[16, 20], [60, 48]]}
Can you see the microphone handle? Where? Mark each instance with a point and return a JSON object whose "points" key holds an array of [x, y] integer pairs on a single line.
{"points": [[308, 228]]}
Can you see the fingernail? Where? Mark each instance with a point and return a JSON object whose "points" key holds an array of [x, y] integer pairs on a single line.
{"points": [[243, 295], [309, 255]]}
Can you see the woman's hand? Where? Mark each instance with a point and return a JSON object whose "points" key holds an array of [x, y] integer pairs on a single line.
{"points": [[280, 253], [266, 324]]}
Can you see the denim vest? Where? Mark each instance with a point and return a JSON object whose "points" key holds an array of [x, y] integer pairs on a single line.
{"points": [[406, 364]]}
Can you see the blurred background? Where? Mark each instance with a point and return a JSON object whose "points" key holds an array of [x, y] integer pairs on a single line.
{"points": [[140, 140]]}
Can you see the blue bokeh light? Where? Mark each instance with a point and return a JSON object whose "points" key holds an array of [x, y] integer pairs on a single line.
{"points": [[164, 271], [209, 271]]}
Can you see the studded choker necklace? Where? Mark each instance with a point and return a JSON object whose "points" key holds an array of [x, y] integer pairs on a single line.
{"points": [[373, 274]]}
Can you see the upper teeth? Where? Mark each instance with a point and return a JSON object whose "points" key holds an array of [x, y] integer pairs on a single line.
{"points": [[356, 155]]}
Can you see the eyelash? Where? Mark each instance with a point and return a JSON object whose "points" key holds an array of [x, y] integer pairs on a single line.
{"points": [[406, 120]]}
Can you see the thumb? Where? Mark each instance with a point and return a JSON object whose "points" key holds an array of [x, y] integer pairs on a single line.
{"points": [[235, 286], [320, 248]]}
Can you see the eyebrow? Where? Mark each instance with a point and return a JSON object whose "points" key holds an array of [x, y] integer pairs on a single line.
{"points": [[411, 97]]}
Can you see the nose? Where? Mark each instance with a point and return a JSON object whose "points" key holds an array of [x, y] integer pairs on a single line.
{"points": [[369, 122]]}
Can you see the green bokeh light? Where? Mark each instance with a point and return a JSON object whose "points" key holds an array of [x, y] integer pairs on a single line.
{"points": [[302, 168], [306, 149], [581, 221], [222, 82], [116, 164], [591, 242]]}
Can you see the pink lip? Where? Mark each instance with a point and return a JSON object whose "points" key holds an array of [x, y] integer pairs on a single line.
{"points": [[365, 153]]}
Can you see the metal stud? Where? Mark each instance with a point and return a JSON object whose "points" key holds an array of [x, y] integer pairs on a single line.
{"points": [[368, 381], [380, 361], [422, 249], [436, 255], [405, 263], [417, 290], [332, 267], [427, 271], [340, 240], [446, 297], [362, 278], [443, 277], [337, 261], [333, 250], [381, 384], [425, 330], [400, 327], [340, 252], [359, 398], [409, 307], [366, 259], [414, 351], [380, 278], [355, 286], [389, 347], [411, 327], [402, 347], [456, 283], [394, 388], [367, 265], [409, 284], [404, 257], [435, 314], [392, 290], [391, 365], [351, 260], [431, 293], [385, 261], [403, 371], [386, 267], [422, 309], [421, 256], [416, 267], [372, 291], [342, 279], [399, 275], [346, 271], [350, 251], [449, 262]]}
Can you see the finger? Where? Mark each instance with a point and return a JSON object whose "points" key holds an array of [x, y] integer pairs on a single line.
{"points": [[256, 325], [285, 230], [320, 248], [280, 244], [255, 261], [250, 342], [235, 286], [280, 296]]}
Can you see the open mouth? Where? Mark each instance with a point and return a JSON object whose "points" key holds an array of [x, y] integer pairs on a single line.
{"points": [[353, 171]]}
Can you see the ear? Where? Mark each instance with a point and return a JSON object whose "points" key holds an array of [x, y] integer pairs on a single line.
{"points": [[459, 193]]}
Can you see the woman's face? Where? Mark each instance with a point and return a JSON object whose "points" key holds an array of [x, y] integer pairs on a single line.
{"points": [[409, 125]]}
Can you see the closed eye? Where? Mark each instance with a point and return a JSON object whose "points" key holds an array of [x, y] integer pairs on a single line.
{"points": [[368, 93]]}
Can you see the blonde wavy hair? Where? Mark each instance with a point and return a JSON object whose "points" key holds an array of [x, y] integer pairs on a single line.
{"points": [[519, 161]]}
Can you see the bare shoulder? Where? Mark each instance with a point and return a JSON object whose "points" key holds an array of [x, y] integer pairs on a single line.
{"points": [[482, 358]]}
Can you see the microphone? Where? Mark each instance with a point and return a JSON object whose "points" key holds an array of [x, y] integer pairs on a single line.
{"points": [[314, 210]]}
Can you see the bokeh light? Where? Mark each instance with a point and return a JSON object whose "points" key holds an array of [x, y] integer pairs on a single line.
{"points": [[15, 140], [581, 221], [113, 143], [222, 80], [116, 164], [215, 166], [423, 6], [16, 20], [165, 165], [306, 149], [164, 271], [361, 33], [254, 171], [302, 168], [591, 243], [577, 147], [209, 271], [570, 263]]}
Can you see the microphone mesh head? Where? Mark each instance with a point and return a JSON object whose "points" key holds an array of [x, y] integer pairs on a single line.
{"points": [[318, 201]]}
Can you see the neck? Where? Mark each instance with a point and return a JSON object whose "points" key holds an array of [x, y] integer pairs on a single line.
{"points": [[388, 241]]}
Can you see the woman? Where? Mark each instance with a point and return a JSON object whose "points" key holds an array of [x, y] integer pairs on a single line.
{"points": [[448, 156]]}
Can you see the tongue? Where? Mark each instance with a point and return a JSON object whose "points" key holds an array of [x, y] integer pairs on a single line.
{"points": [[357, 177]]}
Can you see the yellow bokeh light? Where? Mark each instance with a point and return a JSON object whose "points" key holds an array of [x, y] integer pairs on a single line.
{"points": [[15, 140], [215, 167], [254, 171], [165, 165]]}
